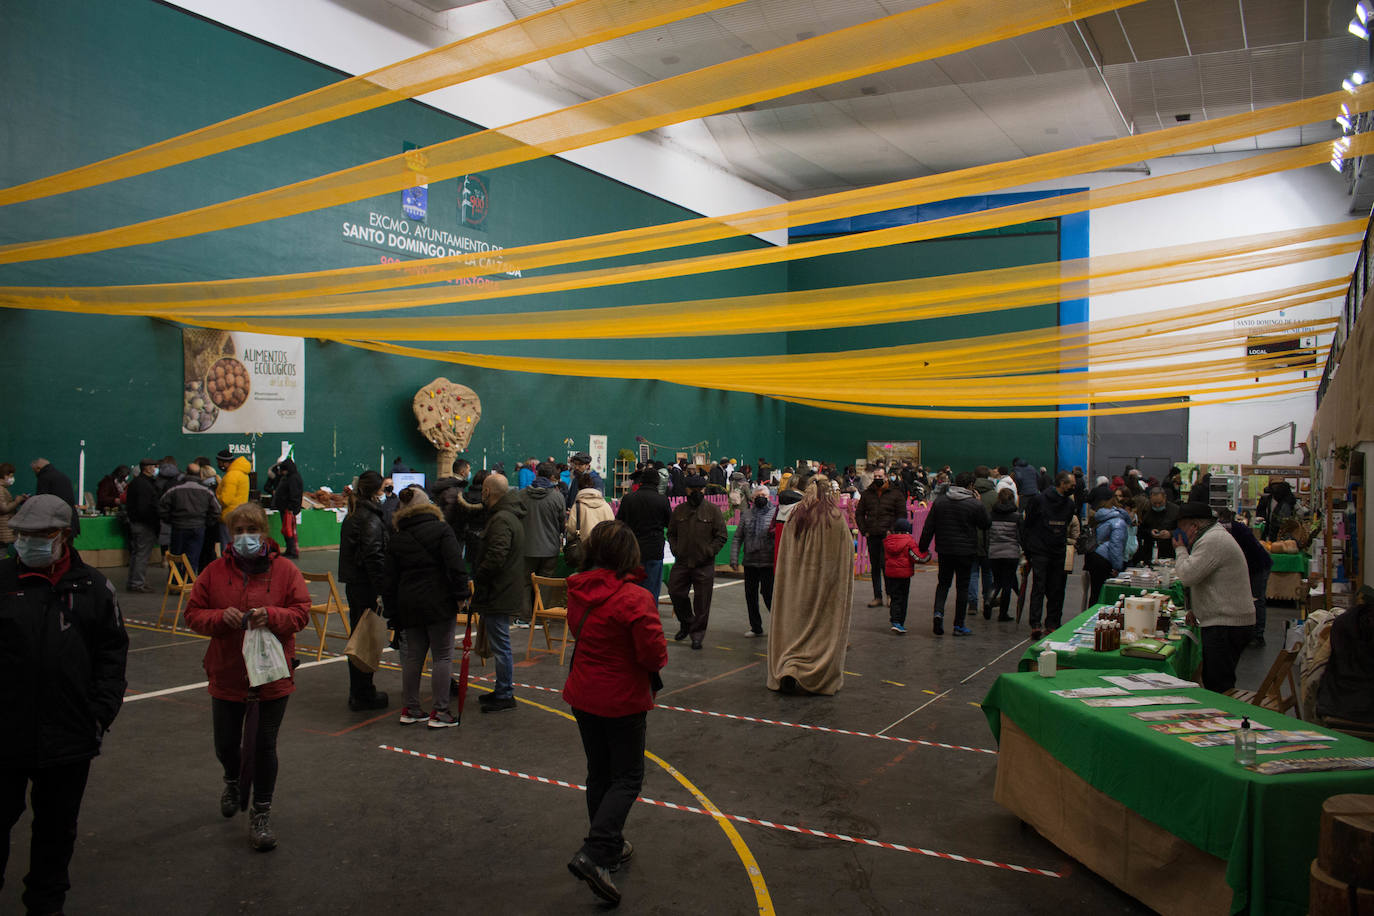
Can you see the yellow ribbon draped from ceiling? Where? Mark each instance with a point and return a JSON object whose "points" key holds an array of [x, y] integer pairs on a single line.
{"points": [[568, 27]]}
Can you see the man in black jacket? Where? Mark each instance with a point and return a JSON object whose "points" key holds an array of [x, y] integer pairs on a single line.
{"points": [[63, 649], [51, 480], [189, 508], [141, 503], [1046, 544], [288, 490], [954, 522], [1157, 524], [879, 506], [498, 576], [696, 533], [647, 511], [362, 570]]}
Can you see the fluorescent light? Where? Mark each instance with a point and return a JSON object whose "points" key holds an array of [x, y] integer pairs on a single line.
{"points": [[1357, 78], [1336, 164], [1345, 110], [1341, 120], [1362, 11], [1348, 86], [1357, 30]]}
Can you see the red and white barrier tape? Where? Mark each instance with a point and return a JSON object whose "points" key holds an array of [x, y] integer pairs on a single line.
{"points": [[740, 818]]}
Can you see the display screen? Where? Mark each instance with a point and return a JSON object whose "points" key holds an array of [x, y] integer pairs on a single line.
{"points": [[401, 481]]}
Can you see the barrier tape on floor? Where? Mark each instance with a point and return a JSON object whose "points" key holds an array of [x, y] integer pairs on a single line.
{"points": [[815, 728], [739, 818]]}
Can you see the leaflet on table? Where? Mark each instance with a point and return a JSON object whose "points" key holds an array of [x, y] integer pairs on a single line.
{"points": [[1173, 715], [1202, 726], [1312, 765], [1066, 647], [1079, 693], [1148, 680], [1267, 737], [1105, 702]]}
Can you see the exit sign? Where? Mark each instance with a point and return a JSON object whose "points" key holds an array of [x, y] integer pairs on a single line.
{"points": [[1231, 445]]}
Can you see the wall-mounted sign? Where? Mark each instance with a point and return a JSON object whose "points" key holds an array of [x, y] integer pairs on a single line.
{"points": [[1291, 351], [242, 383], [415, 201], [474, 202]]}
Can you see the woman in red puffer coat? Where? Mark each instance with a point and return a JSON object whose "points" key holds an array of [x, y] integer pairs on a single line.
{"points": [[610, 686], [250, 586]]}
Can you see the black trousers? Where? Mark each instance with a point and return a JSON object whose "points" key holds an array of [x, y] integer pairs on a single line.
{"points": [[957, 569], [1047, 589], [615, 773], [1221, 649], [228, 724], [1099, 571], [876, 561], [56, 800], [360, 598], [757, 579], [700, 580], [898, 589], [1004, 578]]}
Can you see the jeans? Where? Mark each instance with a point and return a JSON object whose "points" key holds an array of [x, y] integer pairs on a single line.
{"points": [[189, 541], [1221, 648], [498, 639], [141, 540], [1259, 585], [1047, 589], [360, 598], [956, 568], [757, 579], [1004, 574], [653, 577], [227, 717], [615, 774], [898, 589], [437, 640], [876, 561], [700, 580], [56, 801], [982, 569]]}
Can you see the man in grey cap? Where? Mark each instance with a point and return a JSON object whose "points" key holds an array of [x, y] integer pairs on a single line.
{"points": [[63, 646], [580, 464]]}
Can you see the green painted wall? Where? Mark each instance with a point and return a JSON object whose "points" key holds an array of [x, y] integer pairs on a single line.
{"points": [[842, 437], [86, 79]]}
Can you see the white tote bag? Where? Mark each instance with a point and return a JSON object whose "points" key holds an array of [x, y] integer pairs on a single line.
{"points": [[264, 657]]}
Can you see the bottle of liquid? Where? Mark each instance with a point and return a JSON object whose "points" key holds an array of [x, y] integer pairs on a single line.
{"points": [[1245, 743], [1049, 662]]}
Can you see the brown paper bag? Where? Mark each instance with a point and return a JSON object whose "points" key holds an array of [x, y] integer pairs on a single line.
{"points": [[365, 644]]}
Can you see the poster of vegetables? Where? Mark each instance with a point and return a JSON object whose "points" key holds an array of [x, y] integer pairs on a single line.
{"points": [[242, 383]]}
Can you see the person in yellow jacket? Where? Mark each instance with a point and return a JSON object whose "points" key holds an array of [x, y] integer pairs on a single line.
{"points": [[232, 491]]}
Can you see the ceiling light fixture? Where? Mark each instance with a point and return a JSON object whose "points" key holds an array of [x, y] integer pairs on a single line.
{"points": [[1341, 120], [1358, 30], [1363, 12]]}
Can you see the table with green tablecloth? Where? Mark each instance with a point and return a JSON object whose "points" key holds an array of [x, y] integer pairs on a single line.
{"points": [[1262, 830], [103, 541], [1183, 663], [722, 557], [1290, 563], [1112, 592]]}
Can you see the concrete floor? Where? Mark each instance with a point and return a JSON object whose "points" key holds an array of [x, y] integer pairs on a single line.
{"points": [[364, 828]]}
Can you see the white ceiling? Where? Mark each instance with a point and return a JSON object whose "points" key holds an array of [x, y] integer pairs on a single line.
{"points": [[1139, 69]]}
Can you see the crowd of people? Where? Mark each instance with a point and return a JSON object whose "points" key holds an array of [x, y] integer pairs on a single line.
{"points": [[419, 556]]}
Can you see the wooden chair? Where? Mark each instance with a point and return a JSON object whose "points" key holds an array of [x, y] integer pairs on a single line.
{"points": [[333, 604], [557, 590], [1270, 693], [181, 578]]}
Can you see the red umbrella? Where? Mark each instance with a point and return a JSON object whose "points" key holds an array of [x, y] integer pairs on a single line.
{"points": [[463, 668]]}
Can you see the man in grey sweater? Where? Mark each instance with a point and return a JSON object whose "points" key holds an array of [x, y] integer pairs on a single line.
{"points": [[1212, 565]]}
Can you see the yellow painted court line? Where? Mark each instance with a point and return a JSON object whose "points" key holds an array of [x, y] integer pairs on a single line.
{"points": [[140, 626], [978, 705], [931, 692], [761, 654], [726, 648], [853, 674], [893, 683]]}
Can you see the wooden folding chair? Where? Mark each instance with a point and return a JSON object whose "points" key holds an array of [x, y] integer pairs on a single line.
{"points": [[557, 591], [1270, 693], [181, 578], [333, 604]]}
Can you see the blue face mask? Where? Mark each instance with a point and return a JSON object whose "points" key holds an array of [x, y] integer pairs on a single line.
{"points": [[38, 552], [248, 545]]}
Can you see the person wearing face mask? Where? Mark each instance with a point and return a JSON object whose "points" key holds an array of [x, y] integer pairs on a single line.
{"points": [[696, 533], [879, 506], [755, 544], [63, 649], [9, 504], [1045, 539], [250, 586], [109, 493], [362, 570], [498, 580], [647, 511], [141, 501]]}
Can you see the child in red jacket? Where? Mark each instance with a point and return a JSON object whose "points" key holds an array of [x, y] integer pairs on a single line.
{"points": [[899, 550]]}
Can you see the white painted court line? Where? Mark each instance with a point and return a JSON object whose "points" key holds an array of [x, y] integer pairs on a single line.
{"points": [[199, 684]]}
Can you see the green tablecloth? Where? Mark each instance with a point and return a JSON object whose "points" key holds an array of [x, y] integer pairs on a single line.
{"points": [[1112, 592], [101, 532], [1182, 663], [1264, 827], [1283, 562], [722, 558], [317, 528]]}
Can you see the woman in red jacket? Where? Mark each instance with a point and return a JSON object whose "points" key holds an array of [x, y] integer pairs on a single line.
{"points": [[620, 649], [250, 586]]}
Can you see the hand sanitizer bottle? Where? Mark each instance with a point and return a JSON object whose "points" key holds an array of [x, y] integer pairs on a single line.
{"points": [[1245, 743]]}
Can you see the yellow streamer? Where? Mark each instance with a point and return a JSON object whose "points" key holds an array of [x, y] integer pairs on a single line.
{"points": [[904, 38], [568, 27]]}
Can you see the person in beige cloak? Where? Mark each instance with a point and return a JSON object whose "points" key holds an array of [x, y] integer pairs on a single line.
{"points": [[812, 596]]}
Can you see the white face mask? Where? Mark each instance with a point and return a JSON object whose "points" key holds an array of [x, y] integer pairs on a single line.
{"points": [[8, 481]]}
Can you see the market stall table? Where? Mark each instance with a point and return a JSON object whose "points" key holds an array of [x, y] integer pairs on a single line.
{"points": [[1182, 828], [103, 542], [1286, 576], [1112, 592], [1183, 663]]}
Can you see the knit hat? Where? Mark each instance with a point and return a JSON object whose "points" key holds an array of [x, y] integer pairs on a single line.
{"points": [[224, 455]]}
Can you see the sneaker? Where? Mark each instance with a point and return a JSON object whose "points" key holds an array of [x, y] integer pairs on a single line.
{"points": [[681, 634], [260, 828], [939, 625], [962, 631], [753, 634], [1036, 633], [899, 629], [626, 851], [876, 602], [696, 644], [520, 625], [441, 718], [411, 716], [141, 589], [492, 705], [597, 878], [229, 798], [378, 700]]}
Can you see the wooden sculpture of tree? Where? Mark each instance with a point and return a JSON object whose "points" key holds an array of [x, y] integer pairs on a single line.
{"points": [[447, 413]]}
